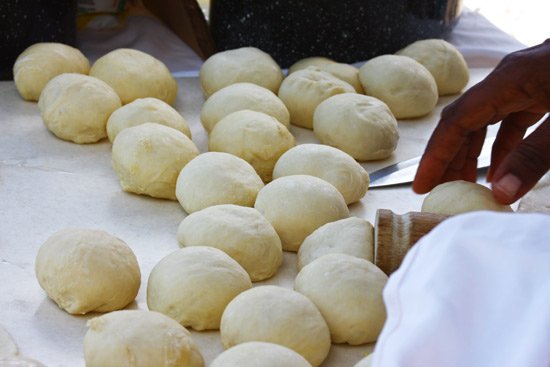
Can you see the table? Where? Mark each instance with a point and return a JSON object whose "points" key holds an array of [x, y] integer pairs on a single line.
{"points": [[47, 184]]}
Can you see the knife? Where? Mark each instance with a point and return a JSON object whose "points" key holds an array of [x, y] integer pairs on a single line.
{"points": [[403, 172]]}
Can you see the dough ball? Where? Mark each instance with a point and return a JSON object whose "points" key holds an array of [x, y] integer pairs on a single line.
{"points": [[246, 64], [348, 292], [345, 72], [148, 158], [359, 125], [215, 178], [139, 339], [194, 284], [251, 353], [144, 110], [134, 74], [351, 236], [303, 90], [402, 83], [253, 136], [242, 96], [39, 63], [241, 232], [86, 270], [365, 362], [316, 61], [297, 205], [76, 107], [8, 348], [459, 196], [443, 60], [276, 315], [328, 163]]}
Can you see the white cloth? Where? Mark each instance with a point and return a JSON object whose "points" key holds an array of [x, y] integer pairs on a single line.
{"points": [[475, 292]]}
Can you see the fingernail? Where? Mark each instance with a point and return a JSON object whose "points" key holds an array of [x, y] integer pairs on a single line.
{"points": [[509, 185]]}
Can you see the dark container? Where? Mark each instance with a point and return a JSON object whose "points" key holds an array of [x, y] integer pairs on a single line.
{"points": [[344, 30], [25, 22]]}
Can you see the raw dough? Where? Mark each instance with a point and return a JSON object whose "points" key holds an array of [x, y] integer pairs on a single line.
{"points": [[215, 178], [365, 362], [303, 90], [246, 64], [252, 354], [277, 315], [351, 236], [328, 163], [242, 96], [361, 126], [345, 72], [8, 348], [402, 83], [39, 63], [194, 284], [148, 158], [144, 110], [139, 339], [86, 270], [443, 60], [348, 292], [315, 61], [134, 74], [459, 196], [299, 204], [76, 107], [253, 136], [241, 232]]}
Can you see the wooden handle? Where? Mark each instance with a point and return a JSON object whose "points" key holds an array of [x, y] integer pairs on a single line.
{"points": [[395, 234]]}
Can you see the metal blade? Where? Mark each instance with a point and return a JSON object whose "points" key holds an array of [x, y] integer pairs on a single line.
{"points": [[404, 172]]}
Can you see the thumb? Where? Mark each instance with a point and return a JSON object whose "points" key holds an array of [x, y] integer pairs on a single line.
{"points": [[523, 166]]}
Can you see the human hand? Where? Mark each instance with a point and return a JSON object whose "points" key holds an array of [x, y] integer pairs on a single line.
{"points": [[516, 92]]}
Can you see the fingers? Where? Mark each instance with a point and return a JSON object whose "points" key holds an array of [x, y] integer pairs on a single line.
{"points": [[521, 169], [510, 134]]}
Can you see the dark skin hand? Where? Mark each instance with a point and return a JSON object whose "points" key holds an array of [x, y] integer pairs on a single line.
{"points": [[517, 93]]}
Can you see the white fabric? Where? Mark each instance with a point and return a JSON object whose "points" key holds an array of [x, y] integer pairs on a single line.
{"points": [[473, 292]]}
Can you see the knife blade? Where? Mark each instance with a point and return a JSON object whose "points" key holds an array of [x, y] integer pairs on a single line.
{"points": [[403, 172]]}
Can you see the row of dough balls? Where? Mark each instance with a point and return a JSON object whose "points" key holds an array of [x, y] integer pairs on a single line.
{"points": [[76, 106]]}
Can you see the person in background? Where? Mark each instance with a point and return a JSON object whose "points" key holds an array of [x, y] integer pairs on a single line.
{"points": [[516, 92]]}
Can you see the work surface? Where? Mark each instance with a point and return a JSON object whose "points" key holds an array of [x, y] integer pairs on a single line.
{"points": [[47, 184]]}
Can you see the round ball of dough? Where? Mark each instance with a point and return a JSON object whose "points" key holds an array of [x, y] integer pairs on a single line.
{"points": [[299, 204], [242, 96], [316, 61], [246, 64], [39, 63], [402, 83], [351, 236], [459, 196], [328, 163], [443, 60], [253, 136], [86, 270], [241, 232], [215, 178], [348, 292], [303, 90], [148, 158], [194, 284], [359, 125], [251, 353], [76, 107], [134, 74], [145, 110], [345, 72], [276, 315], [139, 339]]}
